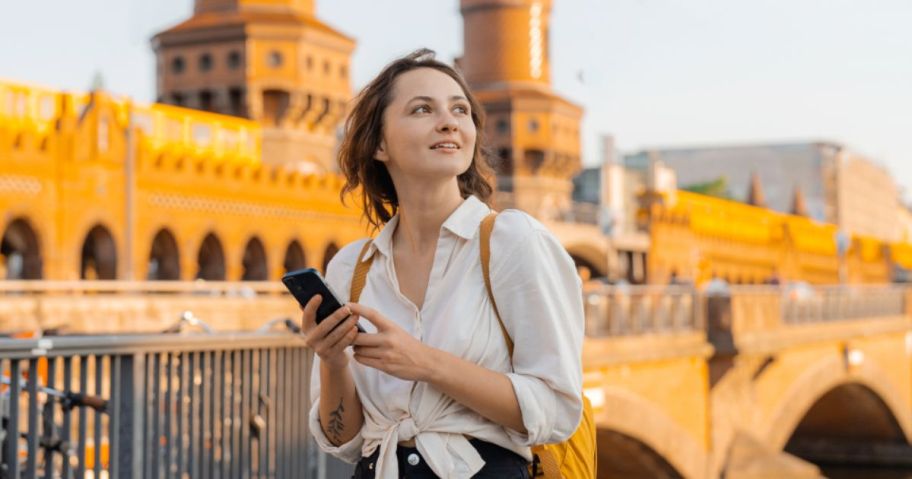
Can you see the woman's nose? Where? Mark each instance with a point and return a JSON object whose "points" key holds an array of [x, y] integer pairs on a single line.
{"points": [[448, 123]]}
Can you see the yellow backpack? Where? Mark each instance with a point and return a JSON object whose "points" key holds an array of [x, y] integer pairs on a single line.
{"points": [[574, 458]]}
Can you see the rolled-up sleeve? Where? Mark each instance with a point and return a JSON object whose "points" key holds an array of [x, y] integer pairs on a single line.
{"points": [[338, 277], [539, 296]]}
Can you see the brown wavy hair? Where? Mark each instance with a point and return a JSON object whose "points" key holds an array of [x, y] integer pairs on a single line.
{"points": [[364, 131]]}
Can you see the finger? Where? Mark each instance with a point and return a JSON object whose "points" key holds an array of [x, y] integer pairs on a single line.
{"points": [[332, 321], [371, 315], [344, 341], [368, 352], [337, 334], [316, 337], [309, 315], [370, 339], [327, 345]]}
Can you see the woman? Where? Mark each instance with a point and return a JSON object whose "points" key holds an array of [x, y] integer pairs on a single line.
{"points": [[430, 389]]}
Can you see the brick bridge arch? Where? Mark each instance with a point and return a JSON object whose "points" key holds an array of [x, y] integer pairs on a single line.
{"points": [[825, 376], [629, 415], [591, 255]]}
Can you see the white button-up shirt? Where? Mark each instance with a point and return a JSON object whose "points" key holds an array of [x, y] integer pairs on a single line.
{"points": [[539, 296]]}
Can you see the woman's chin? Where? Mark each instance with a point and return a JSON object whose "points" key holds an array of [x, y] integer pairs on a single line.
{"points": [[446, 168]]}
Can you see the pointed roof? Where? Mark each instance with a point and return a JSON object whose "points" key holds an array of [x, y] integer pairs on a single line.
{"points": [[755, 195], [799, 206]]}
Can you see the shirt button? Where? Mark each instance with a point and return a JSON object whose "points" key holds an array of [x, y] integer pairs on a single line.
{"points": [[413, 459]]}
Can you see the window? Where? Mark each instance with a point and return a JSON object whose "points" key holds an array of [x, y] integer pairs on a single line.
{"points": [[205, 62], [503, 126], [177, 99], [275, 59], [326, 67], [343, 72], [275, 105], [177, 65], [234, 60], [533, 125], [236, 101], [205, 100], [310, 62]]}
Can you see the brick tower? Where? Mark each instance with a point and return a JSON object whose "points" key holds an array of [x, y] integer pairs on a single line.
{"points": [[534, 131], [271, 61]]}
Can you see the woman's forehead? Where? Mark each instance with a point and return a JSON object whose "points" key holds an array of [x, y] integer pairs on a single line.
{"points": [[427, 82]]}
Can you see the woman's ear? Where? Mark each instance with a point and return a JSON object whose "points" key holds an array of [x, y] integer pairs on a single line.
{"points": [[380, 154]]}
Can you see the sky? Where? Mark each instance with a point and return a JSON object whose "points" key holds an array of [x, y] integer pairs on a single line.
{"points": [[652, 73]]}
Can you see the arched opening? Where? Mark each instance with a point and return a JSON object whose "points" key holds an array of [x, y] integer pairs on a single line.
{"points": [[294, 257], [534, 160], [164, 258], [586, 269], [331, 251], [621, 456], [275, 106], [20, 252], [211, 259], [254, 261], [851, 430], [99, 255]]}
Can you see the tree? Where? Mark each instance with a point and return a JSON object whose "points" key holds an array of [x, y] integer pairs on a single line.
{"points": [[717, 188]]}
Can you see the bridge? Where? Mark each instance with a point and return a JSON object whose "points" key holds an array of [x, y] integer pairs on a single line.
{"points": [[741, 382], [747, 381]]}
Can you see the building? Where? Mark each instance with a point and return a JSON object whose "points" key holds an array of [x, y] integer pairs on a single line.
{"points": [[837, 185], [617, 192], [98, 187], [535, 131], [230, 176], [270, 61]]}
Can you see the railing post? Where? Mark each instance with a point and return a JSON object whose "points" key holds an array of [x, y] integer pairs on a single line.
{"points": [[126, 418]]}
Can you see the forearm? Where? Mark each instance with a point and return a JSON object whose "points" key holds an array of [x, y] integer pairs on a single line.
{"points": [[341, 415], [489, 393]]}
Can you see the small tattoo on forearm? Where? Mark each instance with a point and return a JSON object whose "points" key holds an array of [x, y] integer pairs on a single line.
{"points": [[335, 426]]}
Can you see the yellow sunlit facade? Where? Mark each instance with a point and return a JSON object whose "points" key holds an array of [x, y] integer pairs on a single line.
{"points": [[198, 203], [698, 237]]}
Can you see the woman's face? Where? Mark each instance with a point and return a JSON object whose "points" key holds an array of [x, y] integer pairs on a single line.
{"points": [[428, 131]]}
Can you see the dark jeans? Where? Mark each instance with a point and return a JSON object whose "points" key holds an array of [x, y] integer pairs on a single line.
{"points": [[500, 463]]}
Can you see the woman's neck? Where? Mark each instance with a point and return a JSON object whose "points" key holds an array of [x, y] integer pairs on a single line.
{"points": [[421, 214]]}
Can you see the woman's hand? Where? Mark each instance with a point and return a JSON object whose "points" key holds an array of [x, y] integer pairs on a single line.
{"points": [[327, 341], [391, 349]]}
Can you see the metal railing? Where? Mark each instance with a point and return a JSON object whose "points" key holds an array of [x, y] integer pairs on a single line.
{"points": [[200, 287], [208, 406], [112, 307], [635, 310]]}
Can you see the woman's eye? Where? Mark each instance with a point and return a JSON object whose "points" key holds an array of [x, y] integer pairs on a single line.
{"points": [[461, 109], [421, 109]]}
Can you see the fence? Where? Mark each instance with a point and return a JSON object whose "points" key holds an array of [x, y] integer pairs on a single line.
{"points": [[208, 406], [837, 303], [633, 310], [74, 307]]}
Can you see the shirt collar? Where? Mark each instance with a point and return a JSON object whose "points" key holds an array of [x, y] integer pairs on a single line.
{"points": [[462, 222]]}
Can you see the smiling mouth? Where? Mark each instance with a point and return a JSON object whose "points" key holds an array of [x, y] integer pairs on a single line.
{"points": [[445, 146]]}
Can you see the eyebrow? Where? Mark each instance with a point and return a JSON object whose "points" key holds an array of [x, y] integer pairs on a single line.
{"points": [[429, 99]]}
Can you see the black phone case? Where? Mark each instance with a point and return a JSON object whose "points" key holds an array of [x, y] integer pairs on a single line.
{"points": [[304, 284]]}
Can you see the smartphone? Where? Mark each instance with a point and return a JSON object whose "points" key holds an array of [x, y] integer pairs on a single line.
{"points": [[305, 283]]}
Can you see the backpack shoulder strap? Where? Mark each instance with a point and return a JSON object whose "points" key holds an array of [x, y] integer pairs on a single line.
{"points": [[359, 276], [487, 226]]}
